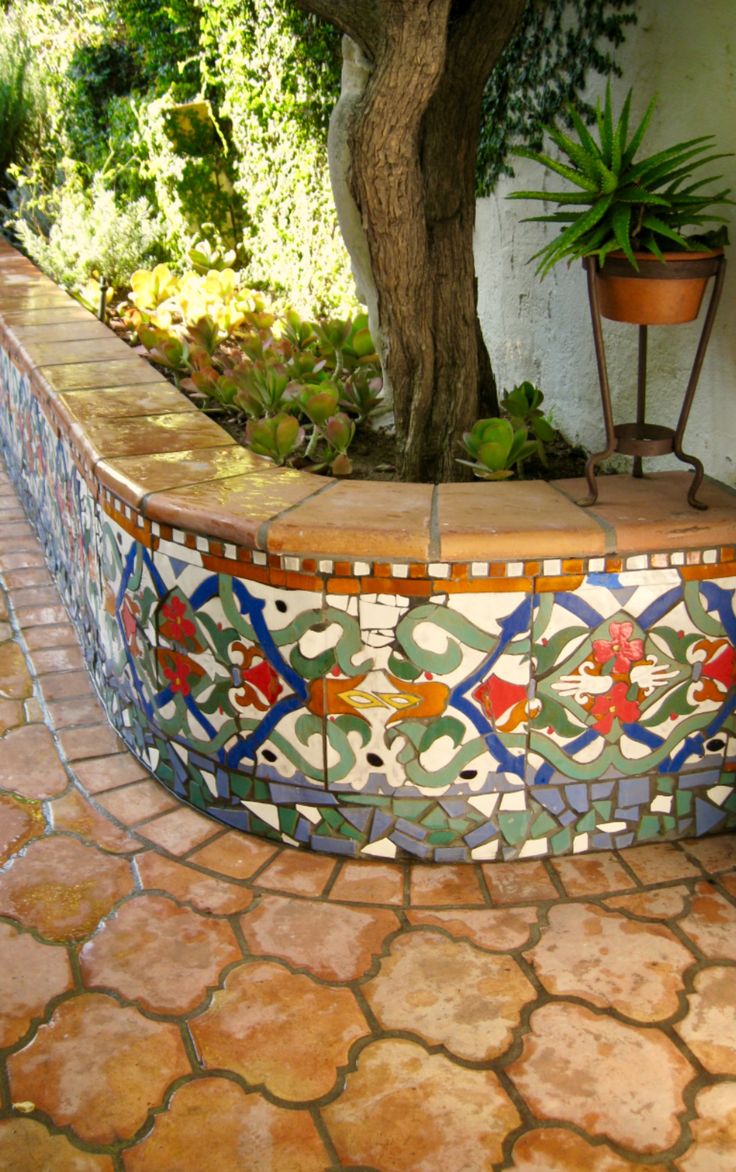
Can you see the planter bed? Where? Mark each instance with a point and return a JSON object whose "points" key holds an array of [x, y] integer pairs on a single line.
{"points": [[472, 671]]}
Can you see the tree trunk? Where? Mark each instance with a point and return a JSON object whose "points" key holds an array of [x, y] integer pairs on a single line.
{"points": [[413, 139]]}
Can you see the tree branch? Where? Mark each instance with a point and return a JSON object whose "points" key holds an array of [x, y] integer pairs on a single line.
{"points": [[479, 31], [362, 20]]}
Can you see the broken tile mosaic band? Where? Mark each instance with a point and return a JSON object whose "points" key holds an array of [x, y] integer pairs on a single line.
{"points": [[440, 711]]}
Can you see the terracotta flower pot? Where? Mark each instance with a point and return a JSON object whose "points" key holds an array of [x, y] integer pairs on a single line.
{"points": [[661, 292]]}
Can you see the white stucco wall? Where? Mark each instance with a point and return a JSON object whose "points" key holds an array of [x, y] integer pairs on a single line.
{"points": [[540, 330]]}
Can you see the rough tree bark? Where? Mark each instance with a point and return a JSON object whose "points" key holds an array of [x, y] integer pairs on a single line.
{"points": [[412, 137]]}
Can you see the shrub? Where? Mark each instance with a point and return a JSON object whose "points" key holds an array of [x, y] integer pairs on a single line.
{"points": [[21, 100], [75, 233]]}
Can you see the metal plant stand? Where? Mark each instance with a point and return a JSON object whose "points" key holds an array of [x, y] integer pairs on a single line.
{"points": [[641, 438]]}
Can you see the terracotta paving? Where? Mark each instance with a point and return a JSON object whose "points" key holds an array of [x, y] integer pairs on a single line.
{"points": [[176, 997]]}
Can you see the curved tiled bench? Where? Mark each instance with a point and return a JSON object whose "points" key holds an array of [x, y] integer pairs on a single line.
{"points": [[444, 673]]}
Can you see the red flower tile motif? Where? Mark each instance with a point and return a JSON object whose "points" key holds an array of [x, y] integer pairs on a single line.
{"points": [[181, 671], [621, 648], [176, 626], [614, 705]]}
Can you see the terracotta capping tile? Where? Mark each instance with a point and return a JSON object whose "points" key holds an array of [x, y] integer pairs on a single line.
{"points": [[116, 372], [146, 435], [651, 513], [135, 477], [369, 520], [505, 521], [234, 509]]}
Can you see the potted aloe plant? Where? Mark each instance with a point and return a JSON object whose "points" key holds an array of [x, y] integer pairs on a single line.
{"points": [[633, 215]]}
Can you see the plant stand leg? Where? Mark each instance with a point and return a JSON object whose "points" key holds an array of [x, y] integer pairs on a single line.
{"points": [[692, 384], [641, 394], [600, 357]]}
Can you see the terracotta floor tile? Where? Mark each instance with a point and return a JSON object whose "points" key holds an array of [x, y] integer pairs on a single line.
{"points": [[449, 994], [58, 635], [334, 943], [95, 740], [713, 1131], [297, 874], [502, 522], [592, 875], [554, 1149], [29, 763], [652, 513], [32, 973], [161, 955], [665, 904], [36, 596], [20, 821], [729, 882], [66, 685], [379, 883], [15, 682], [236, 855], [711, 923], [180, 830], [102, 773], [11, 715], [135, 803], [57, 659], [62, 888], [73, 812], [710, 1026], [610, 961], [280, 1029], [98, 1068], [609, 1079], [29, 576], [252, 1134], [77, 713], [444, 886], [216, 896], [26, 1146], [440, 1116], [496, 931], [381, 522], [40, 616], [652, 865], [518, 882], [713, 854]]}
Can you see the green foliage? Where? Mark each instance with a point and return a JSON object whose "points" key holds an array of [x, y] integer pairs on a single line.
{"points": [[75, 233], [544, 67], [496, 447], [238, 357], [499, 446], [96, 74], [523, 407], [624, 203], [21, 96]]}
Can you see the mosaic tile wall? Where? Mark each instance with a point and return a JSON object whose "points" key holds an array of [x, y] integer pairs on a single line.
{"points": [[444, 713]]}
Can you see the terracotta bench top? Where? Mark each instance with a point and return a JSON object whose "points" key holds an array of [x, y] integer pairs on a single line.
{"points": [[141, 439]]}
